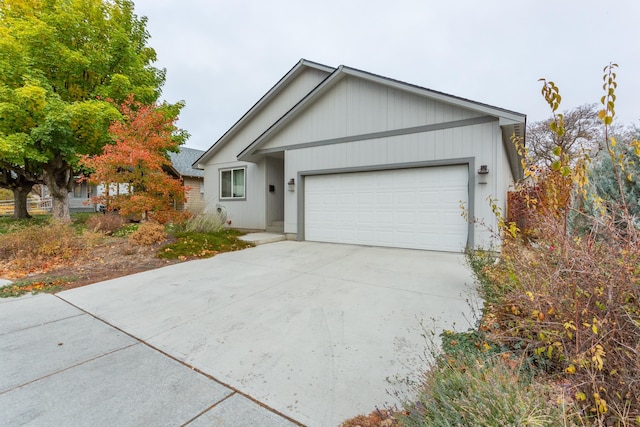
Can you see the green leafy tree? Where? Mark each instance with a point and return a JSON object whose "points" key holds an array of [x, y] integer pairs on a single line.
{"points": [[60, 60], [20, 161]]}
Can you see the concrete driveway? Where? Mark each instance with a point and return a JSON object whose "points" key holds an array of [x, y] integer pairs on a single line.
{"points": [[290, 331]]}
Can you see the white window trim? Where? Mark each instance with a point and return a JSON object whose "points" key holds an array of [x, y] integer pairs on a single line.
{"points": [[244, 169]]}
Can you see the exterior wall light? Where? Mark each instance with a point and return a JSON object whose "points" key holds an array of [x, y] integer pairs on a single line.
{"points": [[483, 172], [292, 184]]}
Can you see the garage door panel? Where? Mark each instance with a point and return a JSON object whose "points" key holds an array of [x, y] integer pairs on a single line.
{"points": [[427, 197], [410, 208], [406, 218], [384, 198], [384, 218], [449, 220], [366, 218]]}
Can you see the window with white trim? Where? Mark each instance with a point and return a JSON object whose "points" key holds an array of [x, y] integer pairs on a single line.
{"points": [[232, 183]]}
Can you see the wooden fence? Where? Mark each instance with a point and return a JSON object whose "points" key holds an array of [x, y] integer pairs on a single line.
{"points": [[34, 206]]}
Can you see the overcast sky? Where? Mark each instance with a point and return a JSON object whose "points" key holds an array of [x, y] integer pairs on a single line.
{"points": [[221, 56]]}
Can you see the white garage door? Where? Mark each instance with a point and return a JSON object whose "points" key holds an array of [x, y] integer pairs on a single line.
{"points": [[405, 208]]}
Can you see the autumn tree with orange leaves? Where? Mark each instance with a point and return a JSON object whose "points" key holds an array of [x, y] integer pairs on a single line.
{"points": [[136, 169]]}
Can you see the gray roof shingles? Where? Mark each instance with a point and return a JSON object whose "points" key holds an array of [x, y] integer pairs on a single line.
{"points": [[183, 161]]}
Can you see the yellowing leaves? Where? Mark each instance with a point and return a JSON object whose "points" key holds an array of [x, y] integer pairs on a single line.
{"points": [[601, 404], [597, 357]]}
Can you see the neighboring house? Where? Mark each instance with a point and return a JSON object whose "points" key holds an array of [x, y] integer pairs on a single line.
{"points": [[342, 155], [192, 178], [80, 199]]}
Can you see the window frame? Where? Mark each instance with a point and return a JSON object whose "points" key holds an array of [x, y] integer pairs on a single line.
{"points": [[232, 170]]}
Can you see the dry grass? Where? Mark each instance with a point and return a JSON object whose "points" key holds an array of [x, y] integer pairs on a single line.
{"points": [[107, 223], [149, 233], [31, 247]]}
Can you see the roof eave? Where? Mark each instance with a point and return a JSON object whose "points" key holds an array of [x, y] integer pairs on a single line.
{"points": [[504, 114], [262, 102], [248, 153], [506, 117], [511, 133]]}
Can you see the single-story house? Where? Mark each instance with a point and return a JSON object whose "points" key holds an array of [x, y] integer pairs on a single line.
{"points": [[192, 178], [347, 156], [80, 198]]}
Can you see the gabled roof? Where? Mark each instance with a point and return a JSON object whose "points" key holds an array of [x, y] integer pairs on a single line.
{"points": [[183, 160], [506, 117], [258, 106]]}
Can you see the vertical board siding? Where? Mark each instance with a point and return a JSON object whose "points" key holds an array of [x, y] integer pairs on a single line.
{"points": [[477, 141], [275, 199], [470, 141], [251, 213], [356, 107], [270, 113], [248, 213]]}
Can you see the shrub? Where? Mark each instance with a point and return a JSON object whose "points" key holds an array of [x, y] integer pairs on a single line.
{"points": [[105, 223], [53, 239], [565, 295], [126, 230], [30, 247], [148, 233], [490, 287], [377, 418], [573, 308]]}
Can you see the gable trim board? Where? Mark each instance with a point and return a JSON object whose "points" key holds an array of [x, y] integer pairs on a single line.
{"points": [[505, 117], [384, 134], [323, 124], [258, 106]]}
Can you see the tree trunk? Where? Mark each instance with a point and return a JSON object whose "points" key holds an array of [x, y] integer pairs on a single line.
{"points": [[20, 182], [20, 200], [58, 177]]}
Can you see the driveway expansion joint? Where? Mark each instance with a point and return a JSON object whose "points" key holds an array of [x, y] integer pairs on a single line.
{"points": [[59, 319], [68, 368], [181, 362]]}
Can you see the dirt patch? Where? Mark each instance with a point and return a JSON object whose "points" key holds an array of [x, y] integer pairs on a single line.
{"points": [[112, 257]]}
